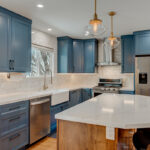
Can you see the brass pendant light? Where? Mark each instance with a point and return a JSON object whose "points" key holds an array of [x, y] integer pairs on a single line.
{"points": [[95, 26], [113, 40]]}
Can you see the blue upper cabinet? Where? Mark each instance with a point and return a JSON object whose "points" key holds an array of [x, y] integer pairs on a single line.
{"points": [[90, 55], [128, 53], [142, 42], [65, 55], [78, 56], [15, 43], [21, 45], [4, 39]]}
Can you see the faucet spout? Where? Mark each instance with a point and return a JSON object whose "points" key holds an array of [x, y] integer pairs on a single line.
{"points": [[45, 80]]}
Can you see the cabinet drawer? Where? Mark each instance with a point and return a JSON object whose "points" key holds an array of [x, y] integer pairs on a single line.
{"points": [[15, 140], [10, 123], [14, 107]]}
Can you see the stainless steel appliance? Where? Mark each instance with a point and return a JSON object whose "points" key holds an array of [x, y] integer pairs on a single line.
{"points": [[39, 118], [107, 86], [142, 75]]}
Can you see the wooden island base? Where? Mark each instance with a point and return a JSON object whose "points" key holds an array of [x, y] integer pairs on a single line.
{"points": [[81, 136]]}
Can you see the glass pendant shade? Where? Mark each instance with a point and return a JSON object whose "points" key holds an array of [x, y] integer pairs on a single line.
{"points": [[112, 40], [95, 29], [95, 26]]}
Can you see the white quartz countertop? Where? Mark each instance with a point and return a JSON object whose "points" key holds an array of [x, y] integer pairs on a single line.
{"points": [[21, 96], [111, 110]]}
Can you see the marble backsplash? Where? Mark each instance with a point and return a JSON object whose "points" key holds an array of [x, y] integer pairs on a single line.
{"points": [[19, 83]]}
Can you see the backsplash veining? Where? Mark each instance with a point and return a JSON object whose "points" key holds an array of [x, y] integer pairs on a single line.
{"points": [[19, 82]]}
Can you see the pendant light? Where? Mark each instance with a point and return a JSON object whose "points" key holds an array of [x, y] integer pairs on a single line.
{"points": [[95, 26], [112, 39]]}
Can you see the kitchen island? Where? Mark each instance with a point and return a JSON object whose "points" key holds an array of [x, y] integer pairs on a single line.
{"points": [[105, 122]]}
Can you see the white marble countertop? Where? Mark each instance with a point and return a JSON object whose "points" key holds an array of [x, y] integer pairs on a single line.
{"points": [[21, 96], [111, 110]]}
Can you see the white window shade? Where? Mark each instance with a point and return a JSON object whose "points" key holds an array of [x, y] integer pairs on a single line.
{"points": [[42, 61]]}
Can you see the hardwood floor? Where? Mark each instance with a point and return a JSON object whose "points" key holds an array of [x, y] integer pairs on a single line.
{"points": [[45, 144]]}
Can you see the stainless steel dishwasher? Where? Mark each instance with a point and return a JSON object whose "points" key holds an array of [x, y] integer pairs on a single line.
{"points": [[39, 118]]}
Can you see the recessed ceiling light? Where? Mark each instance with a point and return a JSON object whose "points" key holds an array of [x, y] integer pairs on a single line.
{"points": [[49, 29], [33, 32], [40, 5]]}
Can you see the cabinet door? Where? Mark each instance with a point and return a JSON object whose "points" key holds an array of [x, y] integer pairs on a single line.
{"points": [[142, 43], [86, 94], [89, 56], [21, 45], [75, 98], [5, 22], [128, 54], [65, 55], [78, 53]]}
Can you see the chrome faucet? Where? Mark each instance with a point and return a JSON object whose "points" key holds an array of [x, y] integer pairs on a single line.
{"points": [[45, 79]]}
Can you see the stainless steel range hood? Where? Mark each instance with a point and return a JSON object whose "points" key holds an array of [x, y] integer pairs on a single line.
{"points": [[108, 55]]}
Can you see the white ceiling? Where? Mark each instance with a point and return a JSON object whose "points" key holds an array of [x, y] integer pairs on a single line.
{"points": [[69, 17]]}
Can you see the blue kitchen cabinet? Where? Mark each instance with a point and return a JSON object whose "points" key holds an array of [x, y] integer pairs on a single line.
{"points": [[90, 55], [5, 38], [78, 56], [75, 97], [21, 45], [53, 111], [142, 42], [86, 94], [14, 125], [65, 55], [15, 43], [128, 53]]}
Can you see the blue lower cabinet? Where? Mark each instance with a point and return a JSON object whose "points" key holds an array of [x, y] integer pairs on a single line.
{"points": [[53, 111], [126, 92], [15, 140], [14, 125], [86, 94], [75, 97]]}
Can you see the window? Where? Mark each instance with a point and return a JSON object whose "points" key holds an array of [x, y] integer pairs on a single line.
{"points": [[42, 61]]}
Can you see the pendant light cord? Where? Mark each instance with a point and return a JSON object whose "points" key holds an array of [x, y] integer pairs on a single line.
{"points": [[112, 33], [95, 6]]}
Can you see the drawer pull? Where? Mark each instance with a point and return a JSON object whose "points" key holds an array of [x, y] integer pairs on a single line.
{"points": [[15, 108], [13, 119], [14, 137]]}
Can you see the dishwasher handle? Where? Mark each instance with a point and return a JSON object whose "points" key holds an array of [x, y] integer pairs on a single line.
{"points": [[40, 102]]}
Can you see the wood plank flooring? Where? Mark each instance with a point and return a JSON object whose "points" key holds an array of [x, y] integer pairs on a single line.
{"points": [[45, 144]]}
